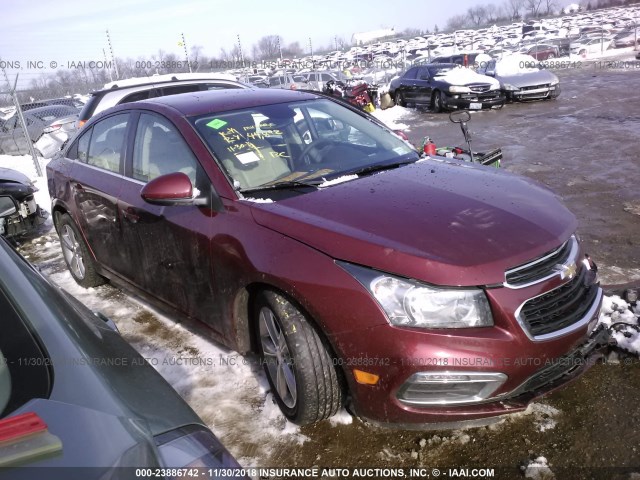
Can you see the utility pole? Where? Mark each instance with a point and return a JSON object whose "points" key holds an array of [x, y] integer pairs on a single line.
{"points": [[240, 49], [113, 58], [186, 54]]}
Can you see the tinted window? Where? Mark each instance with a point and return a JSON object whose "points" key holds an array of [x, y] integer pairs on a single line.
{"points": [[107, 142], [159, 149], [180, 89], [83, 147], [135, 97], [411, 73]]}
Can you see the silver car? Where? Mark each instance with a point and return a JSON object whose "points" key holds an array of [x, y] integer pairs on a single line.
{"points": [[74, 394]]}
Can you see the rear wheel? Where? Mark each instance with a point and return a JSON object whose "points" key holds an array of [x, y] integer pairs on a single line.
{"points": [[299, 368], [76, 254]]}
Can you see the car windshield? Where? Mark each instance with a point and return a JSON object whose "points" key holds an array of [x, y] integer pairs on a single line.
{"points": [[298, 143]]}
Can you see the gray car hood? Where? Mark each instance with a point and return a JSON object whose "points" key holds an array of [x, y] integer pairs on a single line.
{"points": [[14, 176], [527, 79]]}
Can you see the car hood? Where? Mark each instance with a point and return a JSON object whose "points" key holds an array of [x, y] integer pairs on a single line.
{"points": [[466, 76], [14, 176], [526, 79], [442, 222]]}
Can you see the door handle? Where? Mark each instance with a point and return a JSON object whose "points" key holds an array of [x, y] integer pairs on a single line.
{"points": [[130, 215]]}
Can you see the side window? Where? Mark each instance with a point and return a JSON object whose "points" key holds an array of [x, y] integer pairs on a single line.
{"points": [[159, 149], [134, 97], [107, 142], [180, 89], [411, 74], [217, 86], [423, 74], [81, 148]]}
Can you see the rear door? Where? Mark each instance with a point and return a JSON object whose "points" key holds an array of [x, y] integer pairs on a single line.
{"points": [[95, 182], [423, 86], [168, 247]]}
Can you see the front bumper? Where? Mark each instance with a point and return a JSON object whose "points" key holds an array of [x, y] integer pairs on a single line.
{"points": [[473, 101], [538, 92], [520, 368]]}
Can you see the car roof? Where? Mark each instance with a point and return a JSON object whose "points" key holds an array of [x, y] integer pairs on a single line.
{"points": [[199, 103]]}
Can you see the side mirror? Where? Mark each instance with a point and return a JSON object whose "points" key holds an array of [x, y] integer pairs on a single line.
{"points": [[170, 190], [460, 116], [7, 206]]}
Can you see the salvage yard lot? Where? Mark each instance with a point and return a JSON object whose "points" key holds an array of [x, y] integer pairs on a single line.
{"points": [[584, 147]]}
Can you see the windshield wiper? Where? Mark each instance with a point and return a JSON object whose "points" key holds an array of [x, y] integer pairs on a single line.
{"points": [[380, 167], [283, 185]]}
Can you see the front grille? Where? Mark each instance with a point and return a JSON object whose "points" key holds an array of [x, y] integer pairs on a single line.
{"points": [[534, 87], [541, 267], [480, 88], [558, 369], [559, 308]]}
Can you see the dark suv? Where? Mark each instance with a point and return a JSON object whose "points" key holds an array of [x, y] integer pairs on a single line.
{"points": [[417, 289]]}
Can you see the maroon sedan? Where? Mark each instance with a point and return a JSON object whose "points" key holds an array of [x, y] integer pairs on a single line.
{"points": [[417, 290]]}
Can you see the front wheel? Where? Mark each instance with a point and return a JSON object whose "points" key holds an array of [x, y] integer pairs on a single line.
{"points": [[299, 368], [400, 101], [76, 254], [438, 103]]}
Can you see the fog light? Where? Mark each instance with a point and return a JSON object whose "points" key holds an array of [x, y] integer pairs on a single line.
{"points": [[445, 388], [365, 378]]}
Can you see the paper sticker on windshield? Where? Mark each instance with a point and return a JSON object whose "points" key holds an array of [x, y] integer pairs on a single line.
{"points": [[216, 123], [249, 157]]}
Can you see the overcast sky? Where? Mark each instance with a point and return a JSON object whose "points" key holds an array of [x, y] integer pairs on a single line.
{"points": [[71, 30]]}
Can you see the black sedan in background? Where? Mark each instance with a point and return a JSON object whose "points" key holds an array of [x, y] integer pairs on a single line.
{"points": [[446, 86], [73, 393]]}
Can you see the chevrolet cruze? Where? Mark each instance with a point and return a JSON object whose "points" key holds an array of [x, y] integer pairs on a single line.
{"points": [[412, 289]]}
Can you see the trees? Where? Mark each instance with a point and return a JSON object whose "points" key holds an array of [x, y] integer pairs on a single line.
{"points": [[268, 48], [533, 6], [457, 22], [477, 15], [514, 8]]}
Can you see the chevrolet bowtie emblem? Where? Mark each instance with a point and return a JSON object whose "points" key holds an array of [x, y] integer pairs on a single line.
{"points": [[567, 271]]}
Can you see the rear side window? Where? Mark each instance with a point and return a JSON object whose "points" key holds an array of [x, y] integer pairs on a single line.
{"points": [[107, 142]]}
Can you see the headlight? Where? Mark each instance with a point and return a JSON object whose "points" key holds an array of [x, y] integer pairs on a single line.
{"points": [[554, 83], [409, 303], [510, 87], [458, 89]]}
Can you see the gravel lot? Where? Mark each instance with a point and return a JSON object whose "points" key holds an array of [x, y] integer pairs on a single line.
{"points": [[584, 146]]}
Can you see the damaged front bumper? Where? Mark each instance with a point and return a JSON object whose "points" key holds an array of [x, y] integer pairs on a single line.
{"points": [[28, 217]]}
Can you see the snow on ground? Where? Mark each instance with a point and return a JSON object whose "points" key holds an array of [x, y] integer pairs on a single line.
{"points": [[390, 117], [538, 469]]}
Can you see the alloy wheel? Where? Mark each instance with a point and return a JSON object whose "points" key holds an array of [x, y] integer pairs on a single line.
{"points": [[277, 357], [72, 251]]}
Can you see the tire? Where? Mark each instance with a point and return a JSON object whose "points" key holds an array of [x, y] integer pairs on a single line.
{"points": [[299, 368], [551, 56], [438, 104], [76, 254], [399, 99]]}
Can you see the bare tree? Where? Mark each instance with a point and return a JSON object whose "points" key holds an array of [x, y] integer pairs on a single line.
{"points": [[477, 15], [513, 8], [533, 6], [550, 6], [267, 48], [492, 12], [457, 22]]}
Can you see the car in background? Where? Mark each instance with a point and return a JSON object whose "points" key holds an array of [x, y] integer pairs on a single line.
{"points": [[73, 393], [288, 81], [521, 78], [135, 89], [304, 230], [446, 86], [19, 212], [590, 46], [462, 59], [318, 80], [57, 133], [542, 52], [12, 138]]}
